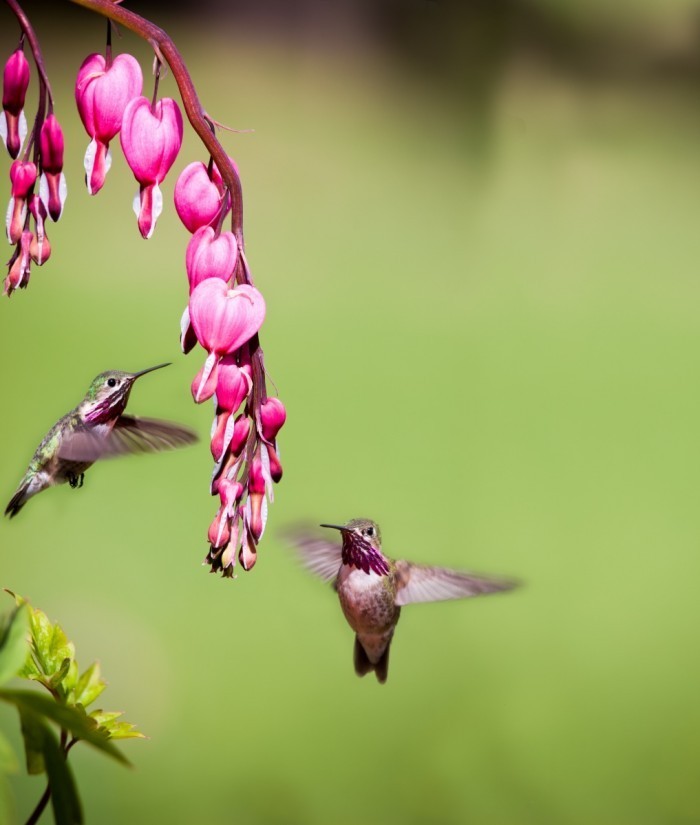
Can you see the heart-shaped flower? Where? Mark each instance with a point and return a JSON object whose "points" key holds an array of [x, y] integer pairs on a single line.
{"points": [[199, 195], [210, 256], [102, 95], [223, 319]]}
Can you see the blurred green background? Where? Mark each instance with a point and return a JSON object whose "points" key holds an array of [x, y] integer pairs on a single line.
{"points": [[477, 236]]}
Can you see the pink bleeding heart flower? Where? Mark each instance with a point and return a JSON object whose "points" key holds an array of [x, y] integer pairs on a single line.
{"points": [[272, 417], [102, 94], [230, 383], [248, 553], [275, 465], [233, 385], [256, 511], [23, 178], [53, 182], [151, 138], [210, 256], [199, 195], [232, 388], [18, 276], [224, 319], [40, 248], [230, 493], [15, 82]]}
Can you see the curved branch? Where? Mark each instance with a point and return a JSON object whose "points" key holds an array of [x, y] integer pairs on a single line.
{"points": [[196, 115], [33, 41]]}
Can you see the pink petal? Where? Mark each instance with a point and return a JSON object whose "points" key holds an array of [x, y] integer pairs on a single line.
{"points": [[223, 318], [151, 139], [210, 256]]}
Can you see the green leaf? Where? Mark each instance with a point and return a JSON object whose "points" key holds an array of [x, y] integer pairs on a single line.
{"points": [[124, 730], [51, 645], [74, 720], [64, 794], [8, 760], [116, 730], [88, 687], [14, 644], [33, 736], [60, 674]]}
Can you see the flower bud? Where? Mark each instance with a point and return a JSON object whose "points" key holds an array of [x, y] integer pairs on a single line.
{"points": [[15, 82], [40, 248], [53, 181], [275, 465], [233, 384], [18, 275], [204, 384], [23, 178], [272, 416], [248, 554], [199, 196], [219, 533], [241, 431]]}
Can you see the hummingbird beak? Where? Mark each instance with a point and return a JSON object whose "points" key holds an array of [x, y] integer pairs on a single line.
{"points": [[340, 527], [150, 369]]}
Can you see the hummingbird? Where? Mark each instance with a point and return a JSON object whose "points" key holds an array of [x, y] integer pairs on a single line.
{"points": [[372, 588], [96, 428]]}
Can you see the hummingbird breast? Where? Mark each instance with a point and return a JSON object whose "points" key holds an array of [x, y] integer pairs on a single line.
{"points": [[367, 600]]}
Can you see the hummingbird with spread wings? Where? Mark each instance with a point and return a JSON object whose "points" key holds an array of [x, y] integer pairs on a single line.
{"points": [[97, 428], [372, 588]]}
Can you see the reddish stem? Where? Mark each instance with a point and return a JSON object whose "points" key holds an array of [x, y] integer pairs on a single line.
{"points": [[33, 41], [201, 123]]}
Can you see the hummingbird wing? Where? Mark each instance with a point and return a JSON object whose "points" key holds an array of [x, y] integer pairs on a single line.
{"points": [[319, 556], [419, 583], [129, 435]]}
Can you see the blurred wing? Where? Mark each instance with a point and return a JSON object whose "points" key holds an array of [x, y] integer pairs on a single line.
{"points": [[319, 556], [129, 435], [416, 583]]}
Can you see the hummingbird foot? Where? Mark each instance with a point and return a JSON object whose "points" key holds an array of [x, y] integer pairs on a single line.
{"points": [[76, 480]]}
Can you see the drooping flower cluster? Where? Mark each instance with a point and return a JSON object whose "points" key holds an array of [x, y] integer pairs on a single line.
{"points": [[108, 95], [224, 314], [45, 148], [225, 311]]}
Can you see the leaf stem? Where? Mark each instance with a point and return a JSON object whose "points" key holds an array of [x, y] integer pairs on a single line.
{"points": [[41, 805]]}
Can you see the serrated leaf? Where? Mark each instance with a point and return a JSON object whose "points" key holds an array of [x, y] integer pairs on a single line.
{"points": [[64, 794], [107, 720], [51, 645], [88, 687], [14, 643], [8, 760], [124, 730], [33, 737], [74, 720], [105, 717]]}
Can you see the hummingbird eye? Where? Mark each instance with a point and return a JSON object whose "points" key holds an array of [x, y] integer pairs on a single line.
{"points": [[369, 531], [111, 382]]}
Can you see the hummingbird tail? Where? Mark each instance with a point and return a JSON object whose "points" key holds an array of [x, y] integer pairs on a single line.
{"points": [[363, 666], [18, 500]]}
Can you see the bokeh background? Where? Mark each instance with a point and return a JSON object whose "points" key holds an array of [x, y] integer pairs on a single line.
{"points": [[476, 229]]}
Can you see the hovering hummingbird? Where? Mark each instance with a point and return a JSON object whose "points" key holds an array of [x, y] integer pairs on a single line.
{"points": [[96, 428], [372, 588]]}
